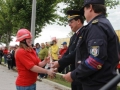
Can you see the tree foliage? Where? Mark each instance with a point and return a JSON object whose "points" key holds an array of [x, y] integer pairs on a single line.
{"points": [[6, 22], [77, 4], [45, 13], [16, 14]]}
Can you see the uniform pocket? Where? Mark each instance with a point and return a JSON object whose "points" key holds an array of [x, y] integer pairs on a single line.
{"points": [[95, 42]]}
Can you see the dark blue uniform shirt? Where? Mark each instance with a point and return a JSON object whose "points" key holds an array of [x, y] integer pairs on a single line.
{"points": [[96, 54], [69, 57]]}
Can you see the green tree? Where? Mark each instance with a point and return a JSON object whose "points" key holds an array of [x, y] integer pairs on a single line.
{"points": [[45, 13], [6, 24], [77, 4], [15, 14]]}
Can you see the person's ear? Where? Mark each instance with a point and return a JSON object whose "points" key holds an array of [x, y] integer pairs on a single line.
{"points": [[90, 8]]}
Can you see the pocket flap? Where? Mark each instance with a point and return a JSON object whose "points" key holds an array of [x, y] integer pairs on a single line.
{"points": [[95, 42]]}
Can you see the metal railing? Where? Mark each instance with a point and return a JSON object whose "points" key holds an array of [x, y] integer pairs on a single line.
{"points": [[111, 83]]}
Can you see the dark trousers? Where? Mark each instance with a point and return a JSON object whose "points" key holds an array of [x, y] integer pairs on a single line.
{"points": [[13, 63], [9, 64], [41, 75], [76, 86], [0, 59], [72, 67], [66, 70], [97, 87]]}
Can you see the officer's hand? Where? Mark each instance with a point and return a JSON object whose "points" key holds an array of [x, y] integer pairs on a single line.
{"points": [[55, 69], [67, 77], [51, 73], [55, 64]]}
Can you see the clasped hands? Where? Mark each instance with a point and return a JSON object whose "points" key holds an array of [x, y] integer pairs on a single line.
{"points": [[55, 66]]}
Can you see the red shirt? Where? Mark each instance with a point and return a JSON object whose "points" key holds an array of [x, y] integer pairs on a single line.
{"points": [[5, 51], [25, 60], [118, 66], [62, 51]]}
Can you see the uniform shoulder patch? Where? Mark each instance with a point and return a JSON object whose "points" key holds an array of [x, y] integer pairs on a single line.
{"points": [[95, 21], [94, 50]]}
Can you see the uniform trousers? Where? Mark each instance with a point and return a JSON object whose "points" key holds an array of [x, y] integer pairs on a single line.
{"points": [[97, 87], [76, 86]]}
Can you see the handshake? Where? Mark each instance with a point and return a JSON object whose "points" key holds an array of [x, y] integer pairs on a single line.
{"points": [[53, 69]]}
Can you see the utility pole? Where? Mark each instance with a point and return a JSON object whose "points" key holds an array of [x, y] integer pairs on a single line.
{"points": [[33, 19]]}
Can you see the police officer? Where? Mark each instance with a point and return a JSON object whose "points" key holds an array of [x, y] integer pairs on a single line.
{"points": [[96, 50], [75, 21]]}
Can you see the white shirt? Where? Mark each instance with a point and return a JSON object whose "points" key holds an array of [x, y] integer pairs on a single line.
{"points": [[78, 29]]}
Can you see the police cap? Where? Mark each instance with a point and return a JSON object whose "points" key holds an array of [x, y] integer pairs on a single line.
{"points": [[94, 2], [72, 14], [86, 2]]}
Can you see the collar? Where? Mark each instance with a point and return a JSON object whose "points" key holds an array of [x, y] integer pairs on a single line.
{"points": [[98, 16], [78, 29]]}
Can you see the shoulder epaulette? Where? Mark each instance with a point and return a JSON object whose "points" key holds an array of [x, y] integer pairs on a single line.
{"points": [[95, 21]]}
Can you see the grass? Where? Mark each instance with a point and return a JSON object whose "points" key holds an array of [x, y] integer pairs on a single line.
{"points": [[2, 59], [118, 88], [60, 80]]}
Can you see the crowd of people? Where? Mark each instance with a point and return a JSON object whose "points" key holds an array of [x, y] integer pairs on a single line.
{"points": [[7, 56], [43, 50], [39, 56]]}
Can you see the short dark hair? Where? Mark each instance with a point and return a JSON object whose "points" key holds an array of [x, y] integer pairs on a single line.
{"points": [[37, 44], [98, 8], [79, 17]]}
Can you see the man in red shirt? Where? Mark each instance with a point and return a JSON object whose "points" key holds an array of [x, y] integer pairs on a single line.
{"points": [[61, 54], [5, 52], [63, 50]]}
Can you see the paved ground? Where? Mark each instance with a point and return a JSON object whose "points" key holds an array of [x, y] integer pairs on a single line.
{"points": [[8, 77]]}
